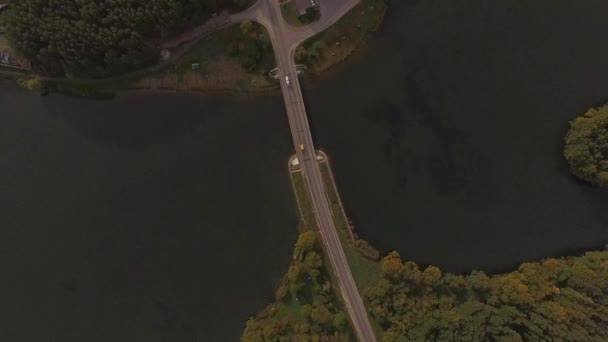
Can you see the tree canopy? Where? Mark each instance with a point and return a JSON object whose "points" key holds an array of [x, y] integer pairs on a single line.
{"points": [[307, 308], [587, 146], [95, 38], [557, 300]]}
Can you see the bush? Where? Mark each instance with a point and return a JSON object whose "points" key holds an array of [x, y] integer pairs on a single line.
{"points": [[367, 250], [34, 84], [85, 90]]}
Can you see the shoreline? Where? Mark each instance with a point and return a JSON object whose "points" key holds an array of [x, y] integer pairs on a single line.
{"points": [[110, 87], [365, 266]]}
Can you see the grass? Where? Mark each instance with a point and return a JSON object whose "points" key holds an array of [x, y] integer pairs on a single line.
{"points": [[340, 40], [217, 70], [307, 215], [290, 14], [364, 271]]}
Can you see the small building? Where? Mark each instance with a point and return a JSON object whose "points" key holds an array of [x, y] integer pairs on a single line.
{"points": [[303, 6], [10, 58]]}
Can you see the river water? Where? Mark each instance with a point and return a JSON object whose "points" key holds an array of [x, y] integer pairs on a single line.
{"points": [[156, 217], [145, 218], [446, 135]]}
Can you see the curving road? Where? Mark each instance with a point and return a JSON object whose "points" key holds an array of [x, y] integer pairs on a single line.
{"points": [[285, 39]]}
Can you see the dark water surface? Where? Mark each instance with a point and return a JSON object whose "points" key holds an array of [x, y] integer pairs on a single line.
{"points": [[146, 218], [446, 135]]}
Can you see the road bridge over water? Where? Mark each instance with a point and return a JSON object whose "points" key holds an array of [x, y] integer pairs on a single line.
{"points": [[285, 39]]}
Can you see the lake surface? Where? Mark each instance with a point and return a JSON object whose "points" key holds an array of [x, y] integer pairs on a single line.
{"points": [[446, 136], [156, 217], [146, 218]]}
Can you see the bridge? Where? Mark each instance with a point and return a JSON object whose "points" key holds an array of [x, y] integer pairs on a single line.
{"points": [[285, 39]]}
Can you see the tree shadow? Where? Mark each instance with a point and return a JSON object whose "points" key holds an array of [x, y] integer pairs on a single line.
{"points": [[135, 121]]}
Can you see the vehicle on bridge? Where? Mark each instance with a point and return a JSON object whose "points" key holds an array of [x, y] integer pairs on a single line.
{"points": [[301, 147], [287, 81]]}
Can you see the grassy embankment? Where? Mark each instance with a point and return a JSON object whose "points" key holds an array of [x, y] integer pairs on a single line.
{"points": [[339, 41], [365, 271], [230, 60], [289, 316], [234, 59], [300, 292], [225, 66], [307, 307]]}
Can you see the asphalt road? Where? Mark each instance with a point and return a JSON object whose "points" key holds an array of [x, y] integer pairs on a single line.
{"points": [[285, 39]]}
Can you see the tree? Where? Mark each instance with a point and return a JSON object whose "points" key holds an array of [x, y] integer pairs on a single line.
{"points": [[314, 52], [246, 26], [312, 260], [431, 276], [282, 290], [586, 148], [321, 315], [301, 54], [91, 38], [339, 321], [306, 242], [558, 299], [392, 267]]}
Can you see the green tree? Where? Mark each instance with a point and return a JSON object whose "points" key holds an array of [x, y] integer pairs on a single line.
{"points": [[314, 52], [339, 321], [92, 38], [246, 26], [586, 148], [306, 242], [557, 299], [431, 276], [301, 55], [392, 267]]}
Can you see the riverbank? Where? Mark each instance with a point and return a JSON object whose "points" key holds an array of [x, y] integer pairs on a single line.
{"points": [[345, 37], [394, 286], [230, 60], [308, 304], [365, 271], [364, 267]]}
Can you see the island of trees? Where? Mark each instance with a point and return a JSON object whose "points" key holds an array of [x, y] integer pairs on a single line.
{"points": [[587, 146], [90, 38]]}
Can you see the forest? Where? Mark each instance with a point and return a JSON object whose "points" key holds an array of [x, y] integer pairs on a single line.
{"points": [[562, 299], [307, 308], [100, 38], [586, 147]]}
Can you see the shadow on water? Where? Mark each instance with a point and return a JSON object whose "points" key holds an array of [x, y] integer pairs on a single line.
{"points": [[385, 113], [146, 125], [457, 166]]}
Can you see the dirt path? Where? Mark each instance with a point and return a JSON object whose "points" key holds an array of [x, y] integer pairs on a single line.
{"points": [[211, 25]]}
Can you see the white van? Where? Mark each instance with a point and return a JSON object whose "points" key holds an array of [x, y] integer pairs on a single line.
{"points": [[287, 81]]}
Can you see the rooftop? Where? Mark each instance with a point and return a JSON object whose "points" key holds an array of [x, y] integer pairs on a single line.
{"points": [[302, 6]]}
